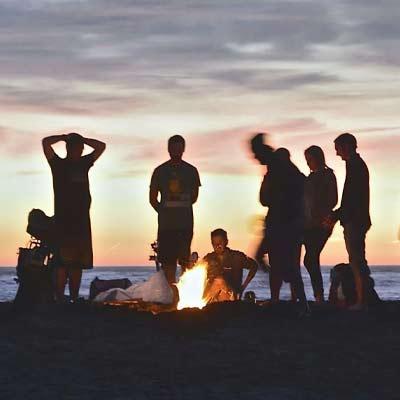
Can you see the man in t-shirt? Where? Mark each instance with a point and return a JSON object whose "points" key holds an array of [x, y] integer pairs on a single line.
{"points": [[72, 199], [225, 267], [178, 183]]}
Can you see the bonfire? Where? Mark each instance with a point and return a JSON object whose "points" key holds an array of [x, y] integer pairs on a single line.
{"points": [[191, 287]]}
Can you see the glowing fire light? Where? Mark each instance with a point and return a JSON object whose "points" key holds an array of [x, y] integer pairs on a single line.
{"points": [[191, 287]]}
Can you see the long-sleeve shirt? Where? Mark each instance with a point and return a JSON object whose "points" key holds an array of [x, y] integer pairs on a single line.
{"points": [[320, 197], [282, 189], [354, 207]]}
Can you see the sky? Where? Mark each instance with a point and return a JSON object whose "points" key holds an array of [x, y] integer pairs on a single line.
{"points": [[134, 73]]}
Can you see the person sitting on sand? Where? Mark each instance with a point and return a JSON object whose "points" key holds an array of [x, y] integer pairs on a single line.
{"points": [[71, 209], [225, 269]]}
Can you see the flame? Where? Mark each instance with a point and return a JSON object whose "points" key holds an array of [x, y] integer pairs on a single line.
{"points": [[191, 287]]}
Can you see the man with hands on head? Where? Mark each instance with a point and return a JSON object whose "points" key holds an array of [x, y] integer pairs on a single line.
{"points": [[73, 243]]}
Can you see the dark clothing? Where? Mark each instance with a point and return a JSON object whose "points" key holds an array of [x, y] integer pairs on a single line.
{"points": [[314, 241], [176, 183], [230, 267], [354, 238], [320, 197], [283, 192], [284, 244], [354, 208], [71, 211], [174, 246]]}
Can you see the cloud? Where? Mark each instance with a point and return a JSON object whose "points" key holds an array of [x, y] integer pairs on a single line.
{"points": [[217, 152], [89, 57]]}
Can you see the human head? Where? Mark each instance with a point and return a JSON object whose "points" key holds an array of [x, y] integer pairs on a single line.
{"points": [[345, 146], [258, 148], [315, 158], [282, 154], [74, 145], [176, 147], [219, 240]]}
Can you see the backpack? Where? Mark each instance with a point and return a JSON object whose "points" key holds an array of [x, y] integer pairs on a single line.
{"points": [[34, 276]]}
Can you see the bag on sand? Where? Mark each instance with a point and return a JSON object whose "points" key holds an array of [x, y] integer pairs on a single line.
{"points": [[101, 285], [342, 291], [155, 290], [34, 277]]}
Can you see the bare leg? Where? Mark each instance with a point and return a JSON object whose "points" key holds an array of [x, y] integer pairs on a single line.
{"points": [[293, 294], [74, 282], [170, 272], [355, 244], [61, 281], [275, 283]]}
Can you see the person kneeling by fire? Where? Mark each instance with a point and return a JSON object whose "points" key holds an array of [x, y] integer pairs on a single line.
{"points": [[225, 270]]}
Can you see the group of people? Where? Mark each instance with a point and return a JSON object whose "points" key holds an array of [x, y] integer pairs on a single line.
{"points": [[300, 211]]}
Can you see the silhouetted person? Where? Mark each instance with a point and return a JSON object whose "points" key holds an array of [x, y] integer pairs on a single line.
{"points": [[228, 264], [320, 197], [283, 194], [71, 209], [353, 213], [178, 183]]}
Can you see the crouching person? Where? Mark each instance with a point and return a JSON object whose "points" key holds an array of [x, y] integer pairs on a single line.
{"points": [[225, 269]]}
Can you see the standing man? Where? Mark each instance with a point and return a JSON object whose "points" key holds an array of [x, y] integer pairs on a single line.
{"points": [[178, 183], [282, 192], [72, 200], [353, 213]]}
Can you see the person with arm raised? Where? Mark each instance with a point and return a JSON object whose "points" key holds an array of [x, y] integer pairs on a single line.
{"points": [[73, 243]]}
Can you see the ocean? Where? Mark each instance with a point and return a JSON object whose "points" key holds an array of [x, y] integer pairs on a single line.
{"points": [[387, 281]]}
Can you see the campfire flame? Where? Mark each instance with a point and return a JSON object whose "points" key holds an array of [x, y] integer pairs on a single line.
{"points": [[191, 287]]}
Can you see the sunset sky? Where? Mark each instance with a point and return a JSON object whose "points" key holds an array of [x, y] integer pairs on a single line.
{"points": [[133, 73]]}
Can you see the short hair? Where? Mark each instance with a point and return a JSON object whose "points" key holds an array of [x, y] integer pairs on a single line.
{"points": [[283, 154], [176, 139], [317, 153], [74, 139], [346, 139], [219, 232]]}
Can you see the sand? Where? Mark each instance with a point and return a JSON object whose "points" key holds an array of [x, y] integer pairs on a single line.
{"points": [[226, 351]]}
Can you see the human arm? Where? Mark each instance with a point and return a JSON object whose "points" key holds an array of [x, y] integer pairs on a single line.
{"points": [[154, 190], [332, 198], [252, 266], [97, 146], [195, 194], [195, 191], [265, 191], [47, 143], [332, 194], [153, 198]]}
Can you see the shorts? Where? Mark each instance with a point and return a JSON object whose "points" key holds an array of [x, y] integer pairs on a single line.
{"points": [[174, 247]]}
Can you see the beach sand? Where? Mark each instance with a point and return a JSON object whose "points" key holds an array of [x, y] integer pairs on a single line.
{"points": [[225, 351]]}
